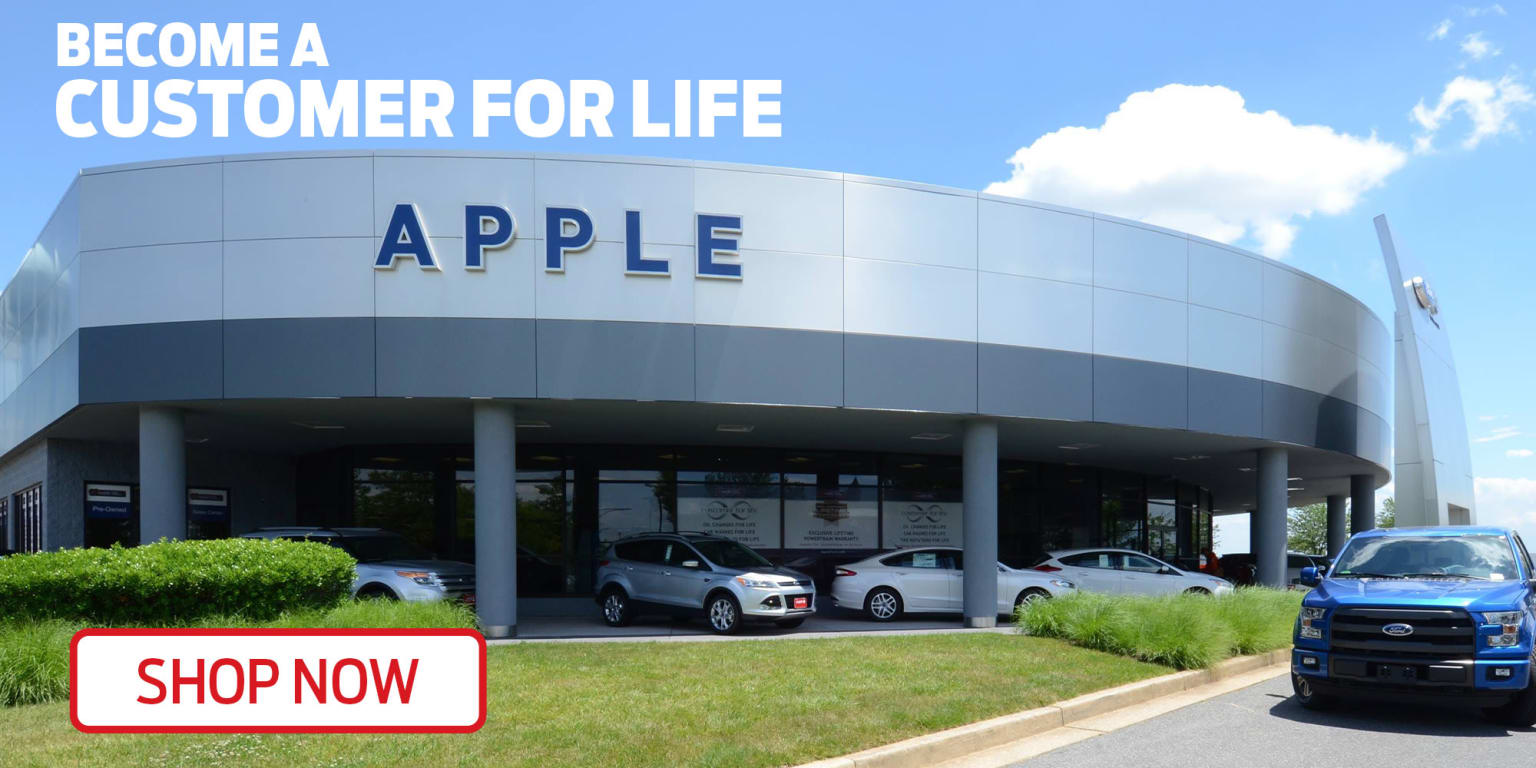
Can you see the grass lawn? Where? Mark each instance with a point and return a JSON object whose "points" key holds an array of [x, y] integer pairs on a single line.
{"points": [[763, 703]]}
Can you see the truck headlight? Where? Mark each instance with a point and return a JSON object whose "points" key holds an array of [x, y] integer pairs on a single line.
{"points": [[1507, 618], [1509, 624], [1308, 629]]}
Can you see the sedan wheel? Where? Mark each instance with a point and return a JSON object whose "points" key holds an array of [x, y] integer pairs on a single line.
{"points": [[724, 616], [883, 604], [1031, 595]]}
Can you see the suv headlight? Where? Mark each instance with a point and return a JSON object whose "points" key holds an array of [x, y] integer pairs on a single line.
{"points": [[420, 577], [757, 581], [1309, 615], [1509, 623]]}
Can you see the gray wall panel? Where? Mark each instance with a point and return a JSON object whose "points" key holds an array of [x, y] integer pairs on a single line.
{"points": [[299, 357], [906, 373], [768, 365], [1224, 403], [455, 357], [152, 361], [1038, 383], [1296, 415], [1140, 393], [615, 360]]}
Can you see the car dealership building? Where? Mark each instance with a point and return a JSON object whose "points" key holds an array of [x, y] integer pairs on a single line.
{"points": [[515, 359]]}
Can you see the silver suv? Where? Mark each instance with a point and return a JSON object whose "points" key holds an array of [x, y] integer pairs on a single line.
{"points": [[388, 564], [686, 574]]}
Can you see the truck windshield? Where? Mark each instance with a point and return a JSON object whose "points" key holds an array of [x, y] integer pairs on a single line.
{"points": [[1418, 557]]}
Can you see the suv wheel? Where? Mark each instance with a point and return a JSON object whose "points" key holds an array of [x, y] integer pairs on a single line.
{"points": [[1306, 696], [883, 604], [1520, 712], [617, 611], [724, 614], [377, 592], [1198, 592]]}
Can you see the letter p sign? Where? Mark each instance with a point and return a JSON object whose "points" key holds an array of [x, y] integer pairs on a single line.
{"points": [[486, 228]]}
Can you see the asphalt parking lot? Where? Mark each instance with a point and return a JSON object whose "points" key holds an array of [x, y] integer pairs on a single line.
{"points": [[1261, 726]]}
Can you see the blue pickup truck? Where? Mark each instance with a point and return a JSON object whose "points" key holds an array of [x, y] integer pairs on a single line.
{"points": [[1441, 615]]}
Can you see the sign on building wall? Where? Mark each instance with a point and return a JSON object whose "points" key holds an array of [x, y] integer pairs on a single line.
{"points": [[922, 522], [108, 502], [748, 514], [207, 513]]}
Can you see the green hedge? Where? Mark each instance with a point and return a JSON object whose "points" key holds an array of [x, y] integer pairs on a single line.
{"points": [[174, 582], [1181, 631], [34, 654]]}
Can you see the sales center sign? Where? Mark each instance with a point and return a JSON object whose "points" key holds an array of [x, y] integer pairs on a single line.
{"points": [[277, 681]]}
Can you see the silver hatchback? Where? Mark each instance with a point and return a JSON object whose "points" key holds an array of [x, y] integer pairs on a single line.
{"points": [[688, 574]]}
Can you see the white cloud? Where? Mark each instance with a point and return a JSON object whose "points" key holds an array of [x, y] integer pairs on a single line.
{"points": [[1508, 502], [1491, 10], [1491, 106], [1498, 433], [1519, 453], [1477, 47], [1441, 30], [1195, 159]]}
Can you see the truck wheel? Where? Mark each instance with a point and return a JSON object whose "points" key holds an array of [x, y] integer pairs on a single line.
{"points": [[1306, 696], [1520, 712]]}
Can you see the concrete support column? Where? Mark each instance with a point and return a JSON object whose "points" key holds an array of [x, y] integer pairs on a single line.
{"points": [[496, 518], [162, 474], [1338, 524], [980, 522], [1269, 519], [1362, 502]]}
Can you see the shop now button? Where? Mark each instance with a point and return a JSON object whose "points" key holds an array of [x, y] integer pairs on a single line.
{"points": [[277, 680]]}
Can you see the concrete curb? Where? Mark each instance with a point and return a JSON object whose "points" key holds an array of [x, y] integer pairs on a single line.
{"points": [[968, 739]]}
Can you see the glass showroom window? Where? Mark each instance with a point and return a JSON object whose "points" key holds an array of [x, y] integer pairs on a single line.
{"points": [[1018, 515], [402, 500], [920, 502], [1162, 519], [1124, 510], [831, 502], [1069, 507], [29, 529], [732, 495]]}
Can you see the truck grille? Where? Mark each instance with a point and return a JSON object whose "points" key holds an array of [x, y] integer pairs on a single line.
{"points": [[456, 585], [1438, 634]]}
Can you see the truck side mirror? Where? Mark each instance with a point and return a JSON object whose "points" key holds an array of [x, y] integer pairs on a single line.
{"points": [[1309, 576]]}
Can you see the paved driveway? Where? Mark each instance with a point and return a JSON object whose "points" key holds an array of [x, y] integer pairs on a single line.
{"points": [[1260, 726]]}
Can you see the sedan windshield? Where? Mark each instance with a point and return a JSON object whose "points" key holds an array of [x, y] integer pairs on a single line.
{"points": [[1420, 557], [729, 554]]}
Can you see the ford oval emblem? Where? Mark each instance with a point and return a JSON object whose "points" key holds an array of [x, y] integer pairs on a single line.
{"points": [[1398, 630]]}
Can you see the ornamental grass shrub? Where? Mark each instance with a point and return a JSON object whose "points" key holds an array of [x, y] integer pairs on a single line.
{"points": [[174, 582], [1180, 631]]}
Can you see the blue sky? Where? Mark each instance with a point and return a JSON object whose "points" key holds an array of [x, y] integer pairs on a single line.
{"points": [[948, 93]]}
